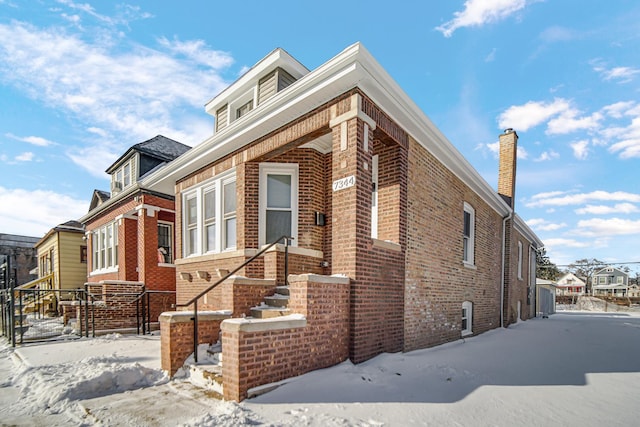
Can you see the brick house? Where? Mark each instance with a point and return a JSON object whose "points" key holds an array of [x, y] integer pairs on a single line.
{"points": [[398, 243], [130, 233]]}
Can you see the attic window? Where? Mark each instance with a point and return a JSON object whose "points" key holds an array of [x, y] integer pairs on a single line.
{"points": [[244, 109], [122, 177]]}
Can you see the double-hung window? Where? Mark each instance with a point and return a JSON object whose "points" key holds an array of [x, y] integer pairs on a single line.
{"points": [[165, 243], [104, 244], [519, 260], [209, 213], [468, 235], [278, 201]]}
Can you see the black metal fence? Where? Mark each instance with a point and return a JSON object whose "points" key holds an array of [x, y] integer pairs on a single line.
{"points": [[42, 314]]}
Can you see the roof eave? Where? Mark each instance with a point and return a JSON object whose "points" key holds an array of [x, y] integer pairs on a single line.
{"points": [[353, 67]]}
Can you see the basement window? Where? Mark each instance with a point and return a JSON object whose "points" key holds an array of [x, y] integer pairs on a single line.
{"points": [[467, 318]]}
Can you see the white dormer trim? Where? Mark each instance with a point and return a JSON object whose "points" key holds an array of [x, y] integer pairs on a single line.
{"points": [[249, 80]]}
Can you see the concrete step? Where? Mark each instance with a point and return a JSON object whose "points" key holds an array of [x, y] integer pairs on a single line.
{"points": [[267, 312], [282, 290], [277, 300]]}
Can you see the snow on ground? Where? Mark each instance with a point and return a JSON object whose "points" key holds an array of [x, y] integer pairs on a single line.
{"points": [[574, 368]]}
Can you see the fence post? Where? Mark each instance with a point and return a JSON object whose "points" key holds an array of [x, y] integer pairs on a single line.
{"points": [[195, 331]]}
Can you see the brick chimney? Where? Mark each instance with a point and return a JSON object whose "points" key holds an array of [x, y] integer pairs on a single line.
{"points": [[507, 171]]}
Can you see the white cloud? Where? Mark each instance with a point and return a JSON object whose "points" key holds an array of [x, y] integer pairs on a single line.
{"points": [[618, 109], [491, 56], [34, 140], [557, 34], [540, 224], [25, 157], [564, 243], [39, 210], [600, 227], [531, 114], [580, 149], [546, 156], [629, 138], [619, 74], [477, 13], [603, 210], [130, 92], [568, 122], [559, 198]]}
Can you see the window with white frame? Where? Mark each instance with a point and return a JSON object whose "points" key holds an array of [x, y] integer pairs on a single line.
{"points": [[209, 216], [468, 235], [374, 197], [467, 318], [619, 280], [519, 260], [122, 177], [165, 243], [104, 243], [278, 201]]}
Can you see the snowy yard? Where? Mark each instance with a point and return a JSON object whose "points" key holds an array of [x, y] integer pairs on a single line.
{"points": [[575, 368]]}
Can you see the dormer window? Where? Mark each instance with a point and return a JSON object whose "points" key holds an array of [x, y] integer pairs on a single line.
{"points": [[123, 177], [244, 109]]}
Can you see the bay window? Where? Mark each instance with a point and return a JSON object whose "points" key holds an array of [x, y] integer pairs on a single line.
{"points": [[209, 216], [104, 243]]}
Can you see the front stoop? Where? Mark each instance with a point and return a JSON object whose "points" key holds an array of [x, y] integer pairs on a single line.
{"points": [[273, 306], [208, 373]]}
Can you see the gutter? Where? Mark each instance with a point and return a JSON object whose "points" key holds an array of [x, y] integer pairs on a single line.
{"points": [[504, 256]]}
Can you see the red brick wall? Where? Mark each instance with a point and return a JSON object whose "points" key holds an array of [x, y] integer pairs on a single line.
{"points": [[256, 356], [112, 306], [437, 282], [176, 336], [516, 288]]}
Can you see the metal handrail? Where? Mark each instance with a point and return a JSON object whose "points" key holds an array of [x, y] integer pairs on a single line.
{"points": [[194, 300]]}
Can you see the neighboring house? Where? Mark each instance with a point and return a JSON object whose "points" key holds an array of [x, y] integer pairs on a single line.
{"points": [[610, 281], [130, 232], [546, 296], [634, 291], [62, 264], [18, 258], [398, 243], [570, 285]]}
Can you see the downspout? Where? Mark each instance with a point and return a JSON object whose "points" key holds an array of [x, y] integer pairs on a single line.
{"points": [[504, 256]]}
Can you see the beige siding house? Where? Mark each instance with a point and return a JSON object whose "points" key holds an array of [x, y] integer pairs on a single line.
{"points": [[62, 258]]}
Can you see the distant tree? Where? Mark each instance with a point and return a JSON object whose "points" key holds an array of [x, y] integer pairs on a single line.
{"points": [[545, 269], [584, 269]]}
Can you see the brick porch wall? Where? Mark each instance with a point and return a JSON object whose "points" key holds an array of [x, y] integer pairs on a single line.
{"points": [[176, 335], [112, 307], [257, 352]]}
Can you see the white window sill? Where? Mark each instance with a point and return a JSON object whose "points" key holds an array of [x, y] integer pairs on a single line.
{"points": [[104, 271], [163, 264], [469, 265]]}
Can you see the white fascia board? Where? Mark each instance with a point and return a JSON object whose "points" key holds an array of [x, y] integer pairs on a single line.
{"points": [[522, 228], [386, 93], [276, 58]]}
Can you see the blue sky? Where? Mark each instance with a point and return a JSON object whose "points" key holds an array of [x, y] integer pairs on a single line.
{"points": [[80, 82]]}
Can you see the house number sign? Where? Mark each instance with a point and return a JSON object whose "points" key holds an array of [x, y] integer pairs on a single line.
{"points": [[341, 184]]}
